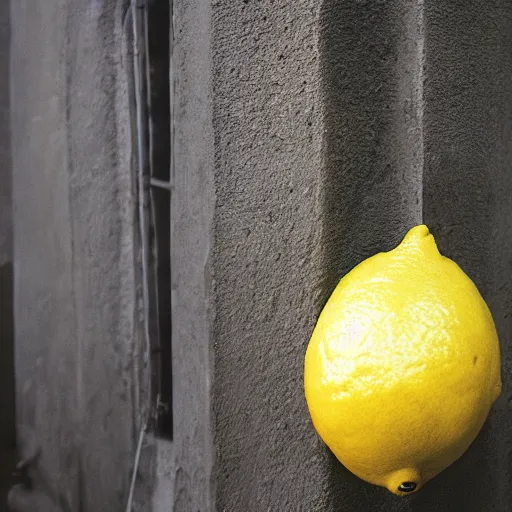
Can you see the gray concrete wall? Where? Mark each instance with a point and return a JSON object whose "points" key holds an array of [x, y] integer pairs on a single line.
{"points": [[184, 474], [267, 256], [308, 136], [7, 420], [339, 125], [5, 140], [75, 295]]}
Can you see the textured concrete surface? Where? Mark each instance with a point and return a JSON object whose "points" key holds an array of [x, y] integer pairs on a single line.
{"points": [[5, 139], [267, 255], [308, 136], [7, 430], [75, 297], [468, 204], [409, 106]]}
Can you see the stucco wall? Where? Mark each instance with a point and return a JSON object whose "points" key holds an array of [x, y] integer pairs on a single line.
{"points": [[5, 141], [338, 126], [308, 136], [267, 256], [75, 297], [7, 431]]}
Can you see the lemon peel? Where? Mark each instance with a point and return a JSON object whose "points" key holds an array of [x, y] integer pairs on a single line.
{"points": [[403, 365]]}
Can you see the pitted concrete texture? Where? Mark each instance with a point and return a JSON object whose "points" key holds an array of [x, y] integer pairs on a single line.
{"points": [[338, 126], [308, 136], [468, 204], [267, 254], [5, 139], [75, 297], [7, 430]]}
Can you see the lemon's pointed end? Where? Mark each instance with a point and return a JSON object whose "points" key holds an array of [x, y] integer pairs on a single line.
{"points": [[419, 238], [417, 233], [404, 482]]}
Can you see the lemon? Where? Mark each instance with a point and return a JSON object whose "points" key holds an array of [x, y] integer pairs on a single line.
{"points": [[403, 365]]}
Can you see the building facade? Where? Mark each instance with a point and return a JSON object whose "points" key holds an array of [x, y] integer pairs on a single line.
{"points": [[303, 137]]}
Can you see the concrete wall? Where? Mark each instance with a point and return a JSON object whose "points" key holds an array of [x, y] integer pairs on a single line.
{"points": [[7, 431], [76, 308], [5, 140], [308, 136], [267, 256], [339, 125], [185, 479]]}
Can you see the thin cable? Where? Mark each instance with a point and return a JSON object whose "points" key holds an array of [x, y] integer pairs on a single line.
{"points": [[136, 463], [143, 180], [142, 193], [141, 161]]}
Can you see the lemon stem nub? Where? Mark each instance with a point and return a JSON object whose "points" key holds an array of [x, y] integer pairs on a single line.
{"points": [[407, 487]]}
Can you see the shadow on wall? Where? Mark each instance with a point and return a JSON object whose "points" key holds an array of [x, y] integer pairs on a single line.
{"points": [[373, 183], [7, 409], [7, 414], [416, 112]]}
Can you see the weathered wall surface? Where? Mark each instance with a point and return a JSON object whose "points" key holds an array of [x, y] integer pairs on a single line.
{"points": [[7, 431], [75, 307], [184, 467], [338, 126], [308, 136], [468, 203], [267, 254], [5, 140]]}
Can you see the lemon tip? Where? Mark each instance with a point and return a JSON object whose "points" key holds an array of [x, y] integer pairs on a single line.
{"points": [[419, 236], [420, 231], [404, 482]]}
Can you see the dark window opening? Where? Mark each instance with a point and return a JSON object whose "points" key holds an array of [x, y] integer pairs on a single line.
{"points": [[153, 20], [158, 57]]}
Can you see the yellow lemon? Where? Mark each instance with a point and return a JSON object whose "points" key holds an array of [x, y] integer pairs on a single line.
{"points": [[403, 365]]}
